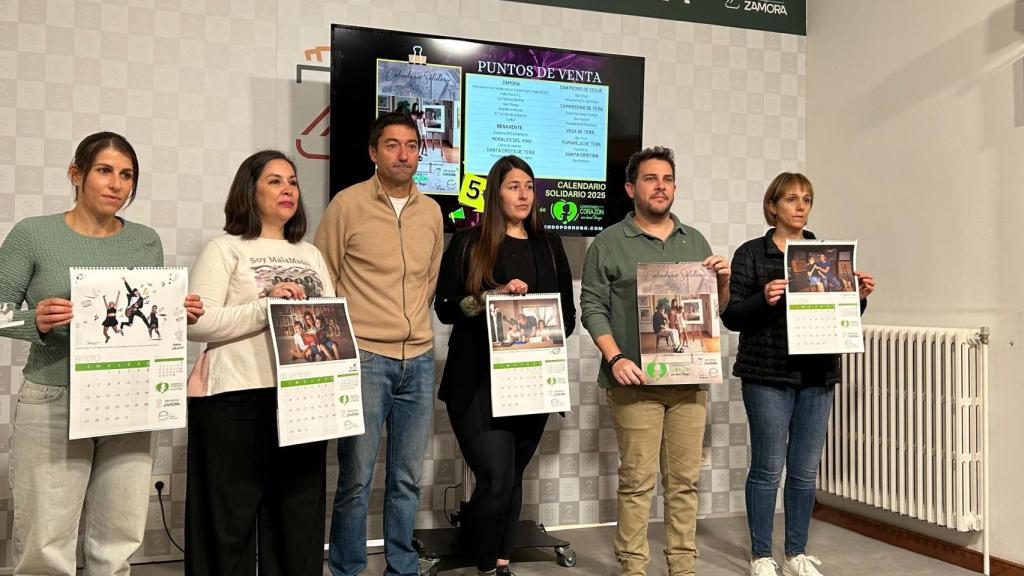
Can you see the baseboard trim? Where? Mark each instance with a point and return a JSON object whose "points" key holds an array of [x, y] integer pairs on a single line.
{"points": [[924, 545]]}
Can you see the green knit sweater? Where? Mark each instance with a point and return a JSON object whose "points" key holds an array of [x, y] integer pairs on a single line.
{"points": [[34, 262]]}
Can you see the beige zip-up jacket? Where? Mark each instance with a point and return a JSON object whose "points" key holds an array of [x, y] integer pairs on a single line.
{"points": [[385, 265]]}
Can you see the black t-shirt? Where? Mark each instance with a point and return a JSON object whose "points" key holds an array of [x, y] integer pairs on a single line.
{"points": [[658, 321], [515, 260]]}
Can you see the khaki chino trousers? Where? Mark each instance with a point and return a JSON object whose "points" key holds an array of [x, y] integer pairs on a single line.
{"points": [[658, 426]]}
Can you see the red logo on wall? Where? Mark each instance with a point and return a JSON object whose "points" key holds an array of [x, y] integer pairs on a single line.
{"points": [[320, 127]]}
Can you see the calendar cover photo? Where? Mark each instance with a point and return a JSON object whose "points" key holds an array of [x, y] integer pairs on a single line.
{"points": [[118, 308], [525, 324], [822, 299], [528, 359], [821, 267], [312, 331], [128, 350], [319, 381], [680, 336]]}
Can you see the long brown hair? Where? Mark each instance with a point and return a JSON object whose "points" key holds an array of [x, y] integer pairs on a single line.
{"points": [[484, 254]]}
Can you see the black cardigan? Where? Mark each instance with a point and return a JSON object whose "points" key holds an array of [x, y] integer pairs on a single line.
{"points": [[763, 354], [466, 370]]}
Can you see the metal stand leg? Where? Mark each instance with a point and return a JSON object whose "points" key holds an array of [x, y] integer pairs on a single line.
{"points": [[435, 545]]}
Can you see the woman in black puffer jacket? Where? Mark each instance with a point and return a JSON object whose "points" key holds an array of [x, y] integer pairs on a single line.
{"points": [[787, 398]]}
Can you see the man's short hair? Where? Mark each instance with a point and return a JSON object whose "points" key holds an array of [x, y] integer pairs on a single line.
{"points": [[391, 119], [654, 153]]}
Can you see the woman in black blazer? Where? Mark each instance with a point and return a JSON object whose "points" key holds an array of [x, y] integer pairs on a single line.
{"points": [[508, 253]]}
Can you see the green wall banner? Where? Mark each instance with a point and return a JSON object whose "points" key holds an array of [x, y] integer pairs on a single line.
{"points": [[787, 16]]}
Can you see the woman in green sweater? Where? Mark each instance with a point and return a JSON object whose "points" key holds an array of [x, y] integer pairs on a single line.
{"points": [[52, 478]]}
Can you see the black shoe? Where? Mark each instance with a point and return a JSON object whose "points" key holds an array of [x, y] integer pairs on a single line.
{"points": [[503, 571]]}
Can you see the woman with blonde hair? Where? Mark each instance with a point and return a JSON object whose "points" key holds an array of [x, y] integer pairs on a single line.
{"points": [[788, 398]]}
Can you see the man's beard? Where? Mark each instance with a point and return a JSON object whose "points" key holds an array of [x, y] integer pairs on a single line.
{"points": [[647, 210]]}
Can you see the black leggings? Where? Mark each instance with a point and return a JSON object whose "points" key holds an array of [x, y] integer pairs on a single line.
{"points": [[497, 450]]}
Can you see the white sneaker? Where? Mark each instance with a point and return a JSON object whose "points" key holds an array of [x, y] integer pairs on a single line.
{"points": [[764, 567], [801, 565]]}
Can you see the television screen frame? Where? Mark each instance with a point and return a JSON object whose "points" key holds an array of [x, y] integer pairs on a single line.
{"points": [[568, 206]]}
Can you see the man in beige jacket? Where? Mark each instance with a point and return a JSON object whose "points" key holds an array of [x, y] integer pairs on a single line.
{"points": [[382, 240]]}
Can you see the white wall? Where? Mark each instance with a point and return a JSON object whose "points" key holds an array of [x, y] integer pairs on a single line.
{"points": [[915, 146], [197, 85]]}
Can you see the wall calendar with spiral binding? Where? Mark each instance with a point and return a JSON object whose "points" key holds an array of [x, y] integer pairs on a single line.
{"points": [[128, 350]]}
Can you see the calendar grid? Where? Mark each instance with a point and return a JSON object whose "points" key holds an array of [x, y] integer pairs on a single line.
{"points": [[216, 81]]}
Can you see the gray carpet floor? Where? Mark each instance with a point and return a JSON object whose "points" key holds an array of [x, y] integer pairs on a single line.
{"points": [[723, 544]]}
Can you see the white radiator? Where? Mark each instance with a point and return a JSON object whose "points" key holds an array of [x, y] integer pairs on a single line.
{"points": [[908, 430]]}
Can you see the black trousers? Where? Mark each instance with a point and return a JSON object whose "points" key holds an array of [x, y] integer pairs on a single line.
{"points": [[247, 496], [132, 319], [497, 450]]}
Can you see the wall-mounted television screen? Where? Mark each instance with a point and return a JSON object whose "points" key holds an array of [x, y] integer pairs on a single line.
{"points": [[575, 117]]}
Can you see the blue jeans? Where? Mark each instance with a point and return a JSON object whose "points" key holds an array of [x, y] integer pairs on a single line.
{"points": [[787, 427], [400, 395]]}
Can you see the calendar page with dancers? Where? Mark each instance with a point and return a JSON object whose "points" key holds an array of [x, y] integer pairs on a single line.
{"points": [[680, 336], [128, 350], [529, 369], [822, 299], [319, 394]]}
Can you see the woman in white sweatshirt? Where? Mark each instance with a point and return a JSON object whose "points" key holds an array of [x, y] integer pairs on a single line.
{"points": [[244, 491]]}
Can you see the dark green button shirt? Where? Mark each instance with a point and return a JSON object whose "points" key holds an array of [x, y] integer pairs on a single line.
{"points": [[608, 291]]}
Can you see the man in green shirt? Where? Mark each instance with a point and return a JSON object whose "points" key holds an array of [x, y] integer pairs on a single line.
{"points": [[656, 424]]}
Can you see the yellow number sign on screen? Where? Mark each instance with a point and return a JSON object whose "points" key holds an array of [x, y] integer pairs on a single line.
{"points": [[472, 192]]}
